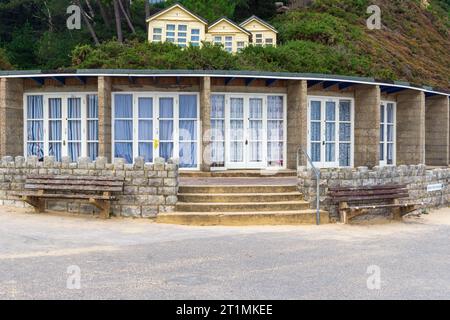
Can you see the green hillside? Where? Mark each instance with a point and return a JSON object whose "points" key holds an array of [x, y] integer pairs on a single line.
{"points": [[329, 37]]}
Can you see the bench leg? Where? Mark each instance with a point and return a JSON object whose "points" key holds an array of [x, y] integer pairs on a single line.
{"points": [[103, 205], [343, 216], [38, 204]]}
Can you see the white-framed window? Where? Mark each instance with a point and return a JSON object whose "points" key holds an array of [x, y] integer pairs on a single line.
{"points": [[218, 130], [240, 45], [182, 35], [330, 131], [217, 40], [388, 133], [151, 125], [157, 34], [228, 43], [60, 124], [195, 37], [269, 42], [259, 39], [170, 33]]}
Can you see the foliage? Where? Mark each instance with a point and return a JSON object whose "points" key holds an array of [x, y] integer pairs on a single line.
{"points": [[265, 9], [4, 62], [21, 49], [209, 9]]}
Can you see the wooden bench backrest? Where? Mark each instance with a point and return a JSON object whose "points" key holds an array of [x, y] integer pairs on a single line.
{"points": [[74, 183], [385, 192]]}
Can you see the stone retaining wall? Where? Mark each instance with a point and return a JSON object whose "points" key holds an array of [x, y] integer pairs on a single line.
{"points": [[149, 188], [416, 177]]}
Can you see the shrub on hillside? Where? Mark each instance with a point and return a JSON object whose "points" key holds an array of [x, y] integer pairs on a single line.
{"points": [[4, 62]]}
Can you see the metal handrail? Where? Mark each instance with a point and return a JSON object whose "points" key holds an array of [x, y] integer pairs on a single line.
{"points": [[317, 173]]}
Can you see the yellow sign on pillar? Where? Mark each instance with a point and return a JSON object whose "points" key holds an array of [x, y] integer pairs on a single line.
{"points": [[155, 144]]}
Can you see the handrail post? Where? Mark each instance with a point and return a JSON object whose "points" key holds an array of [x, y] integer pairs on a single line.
{"points": [[317, 173]]}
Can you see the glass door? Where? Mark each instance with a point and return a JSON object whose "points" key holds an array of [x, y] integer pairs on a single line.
{"points": [[387, 133], [330, 132], [255, 134], [73, 131], [166, 128], [55, 128], [236, 136]]}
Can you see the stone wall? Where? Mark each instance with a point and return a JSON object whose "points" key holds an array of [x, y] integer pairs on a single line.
{"points": [[149, 188], [416, 177]]}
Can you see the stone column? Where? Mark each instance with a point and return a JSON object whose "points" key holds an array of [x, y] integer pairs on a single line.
{"points": [[104, 117], [437, 131], [11, 117], [297, 108], [205, 123], [410, 127], [367, 126]]}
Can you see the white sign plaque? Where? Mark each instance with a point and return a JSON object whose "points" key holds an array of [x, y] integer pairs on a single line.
{"points": [[435, 187]]}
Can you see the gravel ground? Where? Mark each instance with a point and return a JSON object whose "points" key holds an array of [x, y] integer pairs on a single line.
{"points": [[137, 259]]}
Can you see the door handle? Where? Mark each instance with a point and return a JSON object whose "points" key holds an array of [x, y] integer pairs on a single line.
{"points": [[246, 142], [323, 143]]}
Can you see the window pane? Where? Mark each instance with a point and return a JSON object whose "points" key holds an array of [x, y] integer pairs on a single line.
{"points": [[256, 109], [390, 153], [54, 130], [123, 130], [74, 108], [381, 151], [92, 106], [93, 150], [124, 150], [166, 150], [123, 106], [330, 111], [92, 133], [35, 107], [315, 110], [344, 154], [345, 132], [54, 149], [195, 31], [188, 106], [344, 111], [188, 130], [166, 129], [275, 107], [330, 152], [315, 152], [182, 27], [217, 106], [275, 130], [390, 113], [217, 130], [146, 151], [74, 150], [35, 130], [145, 130], [237, 108], [188, 155], [54, 108], [315, 131], [146, 108], [166, 107], [390, 133], [74, 130], [330, 131]]}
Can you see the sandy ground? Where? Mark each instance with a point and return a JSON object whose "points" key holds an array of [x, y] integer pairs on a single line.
{"points": [[127, 259]]}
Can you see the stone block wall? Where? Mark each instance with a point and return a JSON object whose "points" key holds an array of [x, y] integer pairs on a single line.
{"points": [[149, 188], [416, 177]]}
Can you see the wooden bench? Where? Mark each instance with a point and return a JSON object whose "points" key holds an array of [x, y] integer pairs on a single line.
{"points": [[97, 190], [385, 196]]}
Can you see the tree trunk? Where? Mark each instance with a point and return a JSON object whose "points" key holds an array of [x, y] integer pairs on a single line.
{"points": [[105, 16], [91, 11], [88, 23], [118, 22], [130, 24], [147, 9]]}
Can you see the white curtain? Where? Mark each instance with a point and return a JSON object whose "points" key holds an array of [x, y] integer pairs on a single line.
{"points": [[92, 126], [218, 130], [55, 127], [188, 131], [123, 127], [145, 128], [35, 126], [166, 128], [74, 128], [275, 131]]}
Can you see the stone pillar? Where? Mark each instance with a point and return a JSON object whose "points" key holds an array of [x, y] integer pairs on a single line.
{"points": [[104, 117], [205, 123], [437, 131], [297, 108], [367, 126], [410, 127], [11, 117]]}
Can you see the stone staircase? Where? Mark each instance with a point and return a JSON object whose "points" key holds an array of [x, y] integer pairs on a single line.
{"points": [[241, 204]]}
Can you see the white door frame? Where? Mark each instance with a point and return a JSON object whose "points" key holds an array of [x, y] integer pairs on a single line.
{"points": [[156, 96], [384, 121], [246, 164], [323, 100], [64, 96]]}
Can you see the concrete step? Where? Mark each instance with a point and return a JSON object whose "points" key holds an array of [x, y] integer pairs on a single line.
{"points": [[295, 217], [221, 189], [239, 197], [241, 206], [239, 173]]}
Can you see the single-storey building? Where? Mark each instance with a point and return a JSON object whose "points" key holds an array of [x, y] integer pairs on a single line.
{"points": [[219, 121], [214, 120]]}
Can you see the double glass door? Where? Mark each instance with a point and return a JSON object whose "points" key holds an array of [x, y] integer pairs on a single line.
{"points": [[330, 132], [150, 126], [255, 132], [62, 126]]}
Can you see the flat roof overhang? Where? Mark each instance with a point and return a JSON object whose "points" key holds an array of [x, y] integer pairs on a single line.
{"points": [[325, 79]]}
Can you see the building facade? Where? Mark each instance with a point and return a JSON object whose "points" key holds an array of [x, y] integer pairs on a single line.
{"points": [[222, 120], [178, 25]]}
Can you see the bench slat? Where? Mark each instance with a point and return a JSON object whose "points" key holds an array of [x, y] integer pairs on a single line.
{"points": [[399, 205], [376, 197], [66, 196], [367, 193], [68, 177], [383, 187], [75, 182], [73, 188]]}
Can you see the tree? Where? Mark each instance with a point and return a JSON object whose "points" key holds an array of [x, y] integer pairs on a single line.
{"points": [[4, 62], [209, 9], [264, 9], [21, 50]]}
